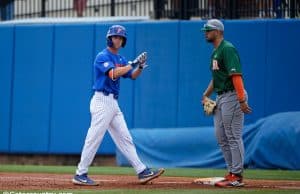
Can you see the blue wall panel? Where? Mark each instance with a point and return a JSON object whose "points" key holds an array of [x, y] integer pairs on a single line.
{"points": [[32, 77], [250, 40], [6, 69], [72, 78], [194, 74], [282, 77], [47, 75], [156, 92]]}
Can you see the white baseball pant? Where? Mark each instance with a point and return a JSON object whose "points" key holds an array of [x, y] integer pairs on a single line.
{"points": [[106, 115]]}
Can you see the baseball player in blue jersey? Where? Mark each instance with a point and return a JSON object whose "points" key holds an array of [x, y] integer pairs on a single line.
{"points": [[109, 67]]}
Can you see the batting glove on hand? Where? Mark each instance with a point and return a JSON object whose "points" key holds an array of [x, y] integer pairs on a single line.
{"points": [[141, 58], [139, 61], [143, 65], [133, 65]]}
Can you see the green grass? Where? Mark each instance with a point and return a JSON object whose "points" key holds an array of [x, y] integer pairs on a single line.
{"points": [[182, 172], [198, 191]]}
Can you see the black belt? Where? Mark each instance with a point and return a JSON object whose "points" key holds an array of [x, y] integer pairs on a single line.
{"points": [[106, 93], [224, 91]]}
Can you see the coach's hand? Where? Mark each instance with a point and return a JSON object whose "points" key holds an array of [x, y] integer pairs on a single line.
{"points": [[245, 107]]}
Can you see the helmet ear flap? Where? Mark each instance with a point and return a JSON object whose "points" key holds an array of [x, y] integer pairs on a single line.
{"points": [[124, 42], [109, 42]]}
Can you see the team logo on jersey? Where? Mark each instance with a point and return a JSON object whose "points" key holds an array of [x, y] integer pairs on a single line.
{"points": [[106, 64], [215, 65]]}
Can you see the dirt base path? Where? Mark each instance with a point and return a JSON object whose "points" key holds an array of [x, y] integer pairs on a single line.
{"points": [[39, 181]]}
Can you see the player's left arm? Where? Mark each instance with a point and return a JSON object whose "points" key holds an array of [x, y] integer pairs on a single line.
{"points": [[115, 73], [136, 72], [234, 69], [140, 63], [239, 87], [240, 92]]}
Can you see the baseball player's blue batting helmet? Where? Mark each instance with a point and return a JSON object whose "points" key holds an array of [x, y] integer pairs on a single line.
{"points": [[116, 30]]}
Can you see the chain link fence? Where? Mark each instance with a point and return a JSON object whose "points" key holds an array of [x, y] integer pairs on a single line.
{"points": [[154, 9]]}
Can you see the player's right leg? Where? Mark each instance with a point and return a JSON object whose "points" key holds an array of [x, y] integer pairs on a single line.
{"points": [[101, 115], [91, 145], [122, 138]]}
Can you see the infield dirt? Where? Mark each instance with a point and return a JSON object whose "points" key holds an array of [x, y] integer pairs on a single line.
{"points": [[41, 181]]}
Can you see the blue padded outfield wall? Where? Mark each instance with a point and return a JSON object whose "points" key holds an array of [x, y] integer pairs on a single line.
{"points": [[46, 78], [270, 142]]}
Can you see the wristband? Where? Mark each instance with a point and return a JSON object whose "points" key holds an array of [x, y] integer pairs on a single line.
{"points": [[133, 64]]}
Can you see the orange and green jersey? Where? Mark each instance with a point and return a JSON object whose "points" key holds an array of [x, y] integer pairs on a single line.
{"points": [[225, 62]]}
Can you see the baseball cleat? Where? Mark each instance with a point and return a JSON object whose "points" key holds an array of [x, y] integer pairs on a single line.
{"points": [[148, 175], [231, 180], [83, 180], [228, 176]]}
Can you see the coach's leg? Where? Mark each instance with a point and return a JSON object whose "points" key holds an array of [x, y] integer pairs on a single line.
{"points": [[233, 119], [221, 135]]}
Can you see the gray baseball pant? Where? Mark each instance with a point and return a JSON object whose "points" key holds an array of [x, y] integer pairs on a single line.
{"points": [[228, 122]]}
